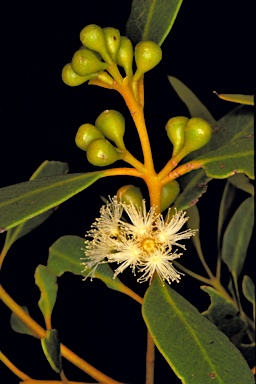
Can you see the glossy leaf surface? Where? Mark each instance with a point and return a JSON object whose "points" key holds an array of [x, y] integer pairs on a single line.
{"points": [[24, 201], [237, 237], [195, 349], [151, 20], [51, 347], [47, 283], [47, 168]]}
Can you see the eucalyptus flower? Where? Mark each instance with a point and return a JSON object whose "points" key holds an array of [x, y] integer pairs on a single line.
{"points": [[144, 243]]}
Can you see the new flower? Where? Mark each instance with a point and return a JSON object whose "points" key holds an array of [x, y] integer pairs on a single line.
{"points": [[145, 244]]}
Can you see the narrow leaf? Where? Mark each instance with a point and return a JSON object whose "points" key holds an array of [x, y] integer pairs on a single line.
{"points": [[51, 347], [18, 326], [241, 99], [65, 256], [237, 237], [227, 199], [47, 168], [223, 313], [24, 201], [242, 182], [195, 106], [151, 20], [47, 283], [248, 288], [194, 348], [194, 186]]}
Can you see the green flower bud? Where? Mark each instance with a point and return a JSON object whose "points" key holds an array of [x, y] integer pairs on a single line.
{"points": [[113, 39], [169, 193], [147, 55], [112, 124], [124, 56], [93, 37], [130, 194], [198, 133], [85, 62], [72, 79], [175, 129], [86, 134], [101, 152]]}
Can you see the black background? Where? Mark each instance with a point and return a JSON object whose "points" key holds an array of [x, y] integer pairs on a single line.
{"points": [[209, 48]]}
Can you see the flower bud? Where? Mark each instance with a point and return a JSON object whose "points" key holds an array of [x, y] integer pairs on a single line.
{"points": [[169, 193], [85, 62], [175, 129], [93, 37], [124, 56], [86, 134], [113, 39], [112, 124], [198, 133], [147, 55], [72, 79], [130, 194], [101, 152]]}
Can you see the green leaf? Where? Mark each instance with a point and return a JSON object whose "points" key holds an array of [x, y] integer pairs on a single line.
{"points": [[225, 315], [242, 182], [227, 199], [47, 283], [237, 237], [65, 256], [51, 347], [248, 288], [194, 185], [230, 159], [47, 168], [18, 326], [24, 201], [195, 106], [195, 349], [151, 20]]}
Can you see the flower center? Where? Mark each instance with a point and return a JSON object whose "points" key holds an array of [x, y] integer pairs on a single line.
{"points": [[148, 245]]}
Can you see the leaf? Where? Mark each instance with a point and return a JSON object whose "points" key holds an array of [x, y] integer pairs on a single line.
{"points": [[237, 237], [248, 288], [224, 315], [194, 348], [47, 168], [242, 182], [195, 106], [241, 99], [65, 256], [51, 347], [47, 283], [151, 20], [194, 223], [194, 186], [18, 326], [230, 159], [227, 199], [24, 201]]}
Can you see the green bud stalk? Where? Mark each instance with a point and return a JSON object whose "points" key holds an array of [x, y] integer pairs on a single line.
{"points": [[93, 37], [169, 194], [112, 124], [72, 79], [85, 62], [147, 55]]}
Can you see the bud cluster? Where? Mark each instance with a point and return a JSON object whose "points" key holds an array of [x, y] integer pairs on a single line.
{"points": [[94, 139], [187, 135], [103, 47]]}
